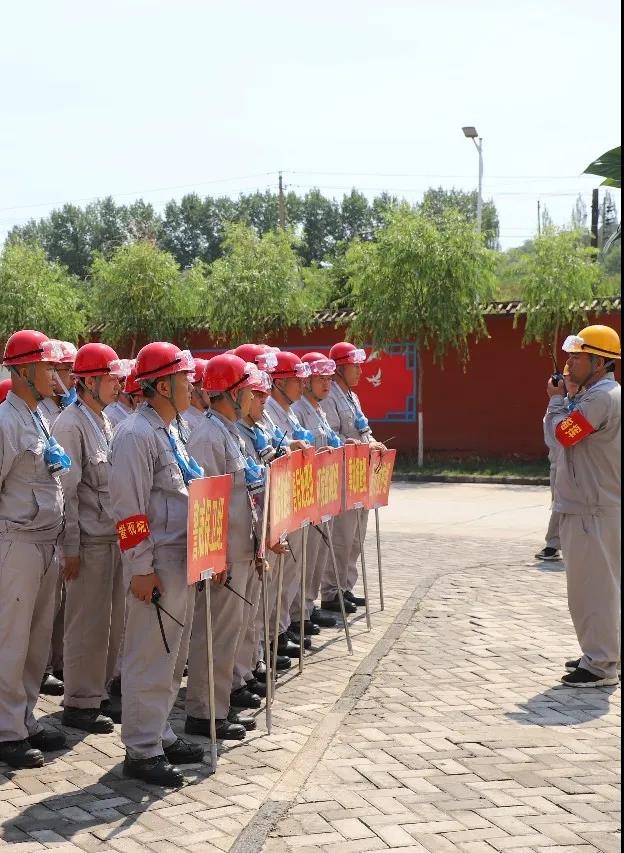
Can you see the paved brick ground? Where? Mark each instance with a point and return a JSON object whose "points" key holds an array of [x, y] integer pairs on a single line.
{"points": [[444, 731]]}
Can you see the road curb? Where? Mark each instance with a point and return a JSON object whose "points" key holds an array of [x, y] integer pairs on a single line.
{"points": [[411, 477]]}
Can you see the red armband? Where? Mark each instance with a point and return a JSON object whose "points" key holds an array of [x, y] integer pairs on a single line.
{"points": [[573, 429], [132, 531]]}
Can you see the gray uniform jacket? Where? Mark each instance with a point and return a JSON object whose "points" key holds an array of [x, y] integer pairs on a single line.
{"points": [[145, 479], [87, 503], [49, 410], [31, 499], [117, 412], [279, 417], [218, 447], [314, 420], [341, 414], [588, 473], [192, 417]]}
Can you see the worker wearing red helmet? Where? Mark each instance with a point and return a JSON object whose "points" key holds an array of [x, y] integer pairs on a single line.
{"points": [[31, 523], [149, 504], [94, 591], [218, 446], [313, 418], [345, 416], [129, 395], [5, 387], [64, 391], [197, 410]]}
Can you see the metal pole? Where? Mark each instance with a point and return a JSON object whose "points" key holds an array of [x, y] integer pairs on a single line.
{"points": [[278, 601], [479, 146], [363, 564], [381, 587], [267, 651], [338, 587], [304, 563], [211, 692]]}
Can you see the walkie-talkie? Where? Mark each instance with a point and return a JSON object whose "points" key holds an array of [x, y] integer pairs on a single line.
{"points": [[557, 375]]}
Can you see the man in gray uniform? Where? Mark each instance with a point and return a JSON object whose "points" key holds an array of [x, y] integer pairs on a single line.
{"points": [[219, 449], [94, 591], [130, 398], [31, 522], [588, 496], [195, 413], [149, 504]]}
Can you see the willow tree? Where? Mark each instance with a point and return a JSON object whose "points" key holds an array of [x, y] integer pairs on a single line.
{"points": [[421, 281]]}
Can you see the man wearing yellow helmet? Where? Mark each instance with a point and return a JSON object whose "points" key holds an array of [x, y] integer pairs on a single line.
{"points": [[587, 494]]}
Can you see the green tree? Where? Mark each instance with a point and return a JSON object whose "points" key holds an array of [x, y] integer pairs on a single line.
{"points": [[356, 219], [259, 287], [320, 227], [38, 294], [436, 201], [421, 281], [561, 276], [140, 294], [578, 219]]}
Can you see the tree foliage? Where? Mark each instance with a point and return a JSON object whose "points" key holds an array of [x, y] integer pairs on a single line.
{"points": [[38, 294], [436, 201], [139, 293]]}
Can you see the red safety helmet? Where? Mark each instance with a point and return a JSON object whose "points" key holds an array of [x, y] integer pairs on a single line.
{"points": [[261, 354], [131, 386], [320, 365], [346, 353], [200, 366], [227, 372], [69, 352], [29, 347], [5, 387], [160, 359], [290, 366], [98, 360], [261, 382]]}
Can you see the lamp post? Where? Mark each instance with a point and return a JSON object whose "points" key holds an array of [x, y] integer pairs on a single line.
{"points": [[471, 133]]}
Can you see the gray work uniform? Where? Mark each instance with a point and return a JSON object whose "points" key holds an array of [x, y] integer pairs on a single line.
{"points": [[340, 409], [95, 600], [50, 410], [588, 497], [117, 412], [193, 418], [554, 452], [313, 418], [217, 446], [145, 479], [291, 583], [31, 522]]}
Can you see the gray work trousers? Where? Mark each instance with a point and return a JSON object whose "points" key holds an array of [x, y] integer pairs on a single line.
{"points": [[95, 605], [317, 555], [290, 583], [591, 546], [552, 534], [347, 549], [28, 577], [151, 677], [247, 651], [227, 625]]}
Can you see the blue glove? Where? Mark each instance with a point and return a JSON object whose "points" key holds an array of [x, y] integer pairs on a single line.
{"points": [[361, 423], [334, 440], [261, 444], [279, 438], [57, 461], [254, 476], [301, 434]]}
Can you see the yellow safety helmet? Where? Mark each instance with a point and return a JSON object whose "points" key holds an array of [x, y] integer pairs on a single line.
{"points": [[596, 340]]}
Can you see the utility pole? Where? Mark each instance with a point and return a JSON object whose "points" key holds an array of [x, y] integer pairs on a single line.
{"points": [[604, 221], [539, 220], [594, 219], [281, 205]]}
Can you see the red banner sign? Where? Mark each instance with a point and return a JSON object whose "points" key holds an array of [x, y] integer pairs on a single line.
{"points": [[356, 476], [209, 507], [380, 477], [292, 500], [329, 479]]}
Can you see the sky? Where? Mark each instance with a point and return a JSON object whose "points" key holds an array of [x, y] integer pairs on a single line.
{"points": [[156, 98]]}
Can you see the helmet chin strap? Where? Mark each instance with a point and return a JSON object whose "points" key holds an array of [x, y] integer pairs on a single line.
{"points": [[282, 392], [310, 391], [95, 395], [29, 379]]}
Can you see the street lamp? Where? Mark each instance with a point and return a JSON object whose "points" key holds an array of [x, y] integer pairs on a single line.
{"points": [[471, 133]]}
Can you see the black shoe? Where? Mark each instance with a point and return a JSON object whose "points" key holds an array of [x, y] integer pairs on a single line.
{"points": [[20, 754], [51, 686], [88, 720], [572, 665], [353, 599], [183, 752], [307, 642], [112, 710], [245, 699], [322, 619], [225, 729], [58, 673], [258, 687], [309, 629], [584, 678], [548, 554], [282, 662], [47, 741], [154, 771], [334, 606], [286, 647], [114, 688], [248, 723]]}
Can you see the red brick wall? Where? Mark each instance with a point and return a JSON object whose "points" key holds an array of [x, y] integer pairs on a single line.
{"points": [[493, 408]]}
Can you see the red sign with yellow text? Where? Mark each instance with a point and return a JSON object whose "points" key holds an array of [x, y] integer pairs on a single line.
{"points": [[380, 477], [209, 508], [356, 476], [292, 500], [329, 466]]}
